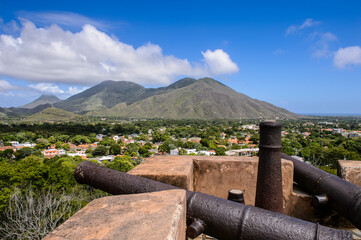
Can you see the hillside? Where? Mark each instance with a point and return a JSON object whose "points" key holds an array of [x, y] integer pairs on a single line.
{"points": [[201, 99], [53, 115], [110, 93], [43, 99]]}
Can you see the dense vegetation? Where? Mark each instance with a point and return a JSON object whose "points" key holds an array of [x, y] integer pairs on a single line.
{"points": [[28, 180]]}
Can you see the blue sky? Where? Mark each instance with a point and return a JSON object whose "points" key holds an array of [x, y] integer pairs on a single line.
{"points": [[304, 56]]}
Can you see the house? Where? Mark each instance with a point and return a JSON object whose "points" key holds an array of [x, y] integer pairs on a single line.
{"points": [[116, 138], [354, 135], [242, 152], [174, 152], [207, 153], [195, 139], [233, 140], [99, 137], [189, 151], [13, 143], [3, 148], [104, 158], [50, 153]]}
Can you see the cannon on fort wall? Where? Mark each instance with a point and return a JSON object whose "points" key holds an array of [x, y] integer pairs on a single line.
{"points": [[341, 195], [211, 215]]}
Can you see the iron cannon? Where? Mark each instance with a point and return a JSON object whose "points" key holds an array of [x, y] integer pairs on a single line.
{"points": [[217, 217], [341, 195]]}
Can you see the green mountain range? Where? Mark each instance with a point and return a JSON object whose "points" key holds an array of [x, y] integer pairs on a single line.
{"points": [[187, 98], [205, 98], [110, 93]]}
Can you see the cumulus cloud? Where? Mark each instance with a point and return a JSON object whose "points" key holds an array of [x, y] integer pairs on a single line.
{"points": [[322, 44], [219, 62], [309, 22], [74, 90], [50, 88], [347, 56], [68, 19], [6, 86], [47, 88], [90, 56]]}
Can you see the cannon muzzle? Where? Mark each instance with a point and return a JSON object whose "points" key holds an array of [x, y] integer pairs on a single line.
{"points": [[342, 196]]}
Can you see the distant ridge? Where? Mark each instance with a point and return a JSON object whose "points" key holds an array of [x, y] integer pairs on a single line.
{"points": [[109, 93], [53, 115], [43, 99], [186, 98], [205, 98]]}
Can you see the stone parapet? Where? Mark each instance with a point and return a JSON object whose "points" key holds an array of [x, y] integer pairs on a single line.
{"points": [[213, 175], [350, 171], [157, 215], [173, 170]]}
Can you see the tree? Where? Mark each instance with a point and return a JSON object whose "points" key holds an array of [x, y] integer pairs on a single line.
{"points": [[143, 151], [23, 152], [30, 217], [255, 138], [114, 149], [79, 139], [107, 141], [66, 147], [7, 153], [58, 144], [52, 139], [100, 151], [220, 151], [164, 148], [123, 164]]}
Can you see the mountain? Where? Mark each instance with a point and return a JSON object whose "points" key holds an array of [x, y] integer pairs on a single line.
{"points": [[205, 98], [16, 112], [43, 99], [53, 115], [110, 93]]}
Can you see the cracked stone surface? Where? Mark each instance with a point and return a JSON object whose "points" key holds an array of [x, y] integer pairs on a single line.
{"points": [[157, 215], [350, 171]]}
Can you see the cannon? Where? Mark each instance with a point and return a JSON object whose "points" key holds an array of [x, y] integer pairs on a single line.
{"points": [[341, 195], [217, 217]]}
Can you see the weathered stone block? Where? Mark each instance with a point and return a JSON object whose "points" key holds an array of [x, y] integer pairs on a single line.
{"points": [[350, 171], [216, 176], [174, 170], [157, 215]]}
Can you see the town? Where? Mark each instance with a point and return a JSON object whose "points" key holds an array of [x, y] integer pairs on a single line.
{"points": [[38, 160], [306, 139]]}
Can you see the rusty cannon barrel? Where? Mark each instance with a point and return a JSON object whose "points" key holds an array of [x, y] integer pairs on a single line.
{"points": [[342, 196], [269, 177], [211, 215]]}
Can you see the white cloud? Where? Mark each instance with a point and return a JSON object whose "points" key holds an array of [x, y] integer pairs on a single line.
{"points": [[90, 56], [309, 22], [322, 44], [347, 56], [219, 62], [74, 90], [6, 86], [68, 19], [46, 88]]}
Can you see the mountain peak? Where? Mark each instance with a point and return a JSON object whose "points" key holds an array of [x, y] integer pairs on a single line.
{"points": [[181, 83], [43, 99]]}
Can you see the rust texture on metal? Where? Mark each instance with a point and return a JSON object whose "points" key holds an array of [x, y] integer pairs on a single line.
{"points": [[343, 196], [319, 201], [269, 178], [236, 195], [196, 228], [222, 219]]}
